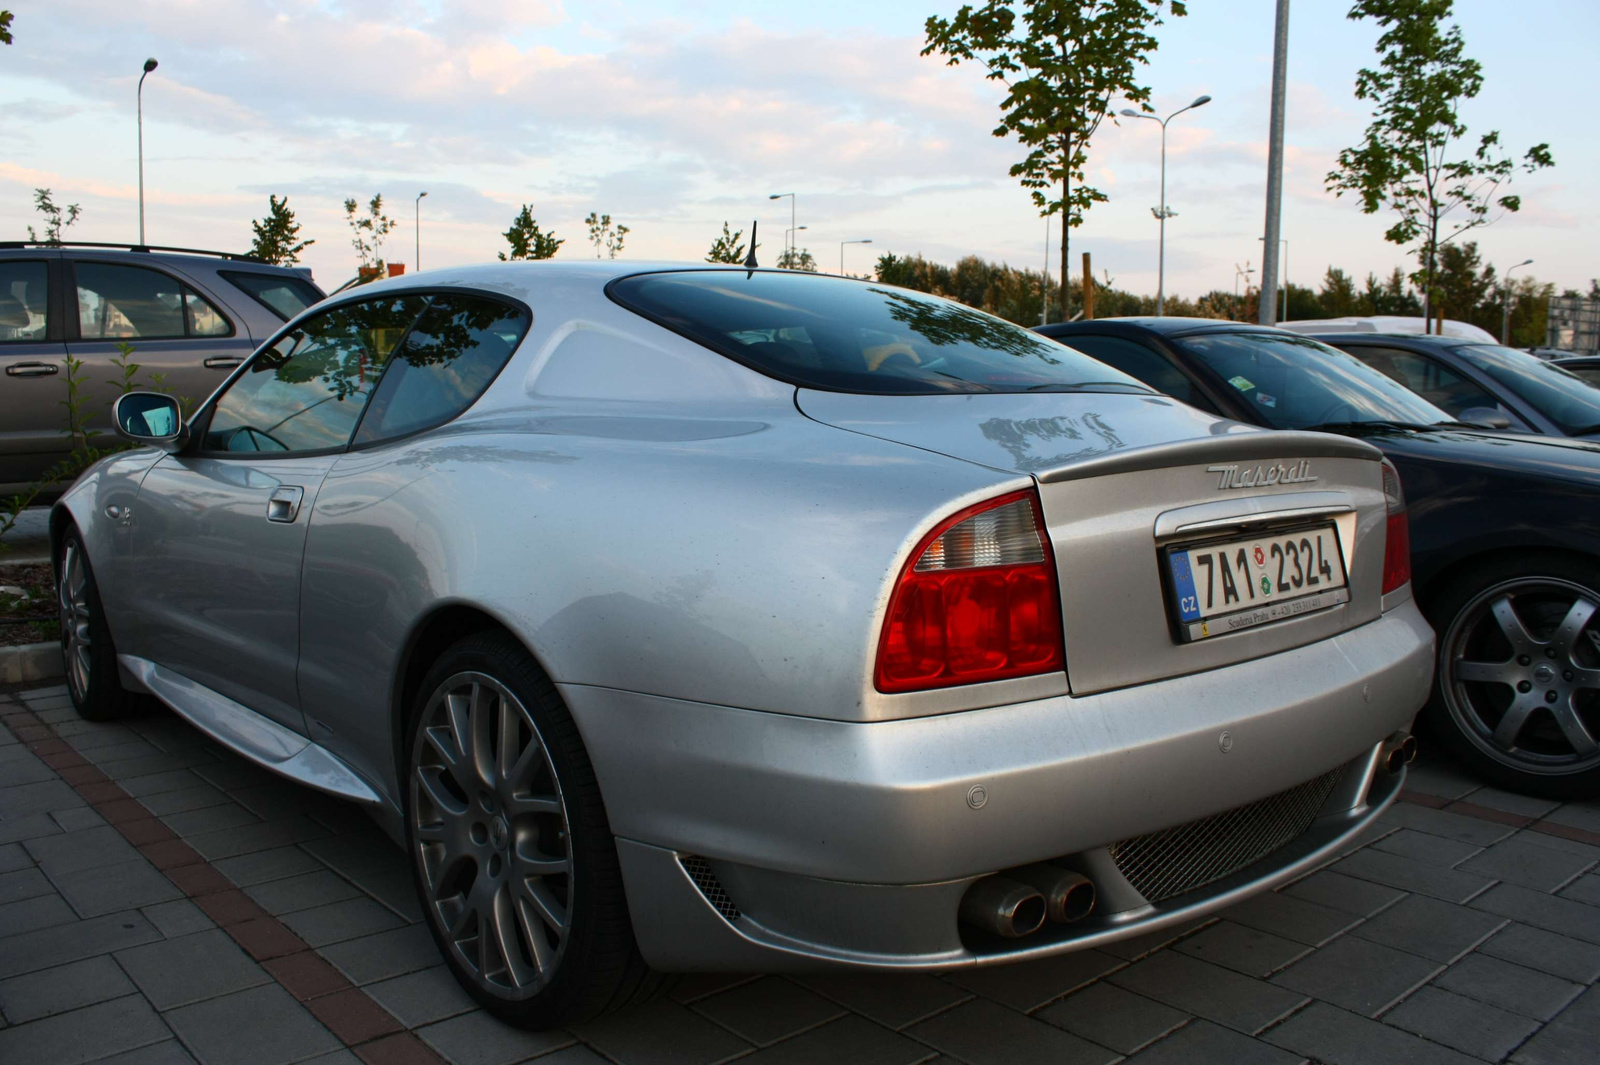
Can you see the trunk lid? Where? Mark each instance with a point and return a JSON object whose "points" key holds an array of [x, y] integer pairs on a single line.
{"points": [[1122, 478]]}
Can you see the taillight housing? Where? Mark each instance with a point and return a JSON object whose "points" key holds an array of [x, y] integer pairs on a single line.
{"points": [[977, 601], [1397, 533]]}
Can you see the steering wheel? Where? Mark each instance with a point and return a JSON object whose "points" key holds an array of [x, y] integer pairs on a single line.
{"points": [[879, 354]]}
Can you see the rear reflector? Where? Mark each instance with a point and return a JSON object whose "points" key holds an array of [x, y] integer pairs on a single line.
{"points": [[976, 602], [1397, 532]]}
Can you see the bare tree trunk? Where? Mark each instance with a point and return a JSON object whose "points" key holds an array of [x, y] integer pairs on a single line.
{"points": [[1066, 229]]}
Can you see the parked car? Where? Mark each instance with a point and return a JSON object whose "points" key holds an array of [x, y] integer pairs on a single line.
{"points": [[1485, 384], [1505, 532], [191, 316], [1409, 324], [706, 618], [1584, 366]]}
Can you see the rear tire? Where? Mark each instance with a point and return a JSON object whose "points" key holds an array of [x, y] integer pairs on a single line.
{"points": [[511, 853], [1517, 690], [88, 654]]}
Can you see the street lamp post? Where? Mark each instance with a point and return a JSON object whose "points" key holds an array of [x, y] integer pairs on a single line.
{"points": [[1505, 305], [418, 206], [1163, 212], [1284, 241], [149, 65], [789, 238], [792, 225], [842, 243]]}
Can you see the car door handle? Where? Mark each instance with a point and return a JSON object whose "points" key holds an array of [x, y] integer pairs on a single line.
{"points": [[284, 505], [32, 369], [224, 362]]}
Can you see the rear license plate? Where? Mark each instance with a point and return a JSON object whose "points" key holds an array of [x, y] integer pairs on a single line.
{"points": [[1230, 585]]}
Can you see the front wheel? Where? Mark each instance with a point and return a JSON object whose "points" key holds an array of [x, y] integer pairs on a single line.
{"points": [[511, 852], [1517, 691], [86, 649]]}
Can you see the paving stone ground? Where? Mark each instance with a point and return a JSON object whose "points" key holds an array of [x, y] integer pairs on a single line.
{"points": [[162, 901]]}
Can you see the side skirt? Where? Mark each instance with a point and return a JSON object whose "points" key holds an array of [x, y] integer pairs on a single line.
{"points": [[247, 733]]}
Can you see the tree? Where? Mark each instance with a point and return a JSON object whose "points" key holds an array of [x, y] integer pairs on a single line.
{"points": [[1389, 297], [1061, 68], [527, 240], [604, 236], [5, 27], [1338, 297], [276, 235], [727, 249], [1468, 289], [1408, 160], [367, 234], [55, 219], [797, 259]]}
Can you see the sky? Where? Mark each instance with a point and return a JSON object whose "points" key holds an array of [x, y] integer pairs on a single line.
{"points": [[674, 116]]}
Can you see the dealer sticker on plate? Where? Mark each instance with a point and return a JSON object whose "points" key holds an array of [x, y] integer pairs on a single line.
{"points": [[1231, 585]]}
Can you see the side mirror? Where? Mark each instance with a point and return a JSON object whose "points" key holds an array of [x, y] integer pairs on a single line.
{"points": [[1485, 417], [150, 418]]}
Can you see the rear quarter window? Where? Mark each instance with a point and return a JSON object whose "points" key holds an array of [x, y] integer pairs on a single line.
{"points": [[283, 295]]}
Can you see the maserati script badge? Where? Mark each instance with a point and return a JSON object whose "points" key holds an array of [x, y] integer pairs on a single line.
{"points": [[1255, 477]]}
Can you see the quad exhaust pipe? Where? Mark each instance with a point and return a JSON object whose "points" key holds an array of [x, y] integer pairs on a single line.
{"points": [[1397, 752], [1019, 902]]}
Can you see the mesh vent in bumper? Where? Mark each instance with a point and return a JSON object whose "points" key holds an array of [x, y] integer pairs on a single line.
{"points": [[1179, 859], [700, 871]]}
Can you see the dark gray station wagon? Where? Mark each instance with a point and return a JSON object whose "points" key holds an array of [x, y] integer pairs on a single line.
{"points": [[191, 316]]}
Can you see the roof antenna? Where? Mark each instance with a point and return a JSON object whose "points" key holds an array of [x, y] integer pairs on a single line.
{"points": [[750, 260]]}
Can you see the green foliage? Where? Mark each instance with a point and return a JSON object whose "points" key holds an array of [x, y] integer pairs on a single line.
{"points": [[367, 233], [5, 27], [797, 259], [1062, 62], [276, 236], [728, 249], [55, 218], [1338, 297], [527, 240], [604, 236], [1408, 161]]}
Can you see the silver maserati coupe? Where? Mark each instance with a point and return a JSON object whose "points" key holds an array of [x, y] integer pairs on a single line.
{"points": [[703, 618]]}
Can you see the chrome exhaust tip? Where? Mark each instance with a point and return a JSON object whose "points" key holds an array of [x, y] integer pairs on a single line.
{"points": [[1001, 905], [1068, 896], [1397, 752]]}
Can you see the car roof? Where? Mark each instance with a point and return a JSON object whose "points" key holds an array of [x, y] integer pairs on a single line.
{"points": [[1164, 326], [1420, 340]]}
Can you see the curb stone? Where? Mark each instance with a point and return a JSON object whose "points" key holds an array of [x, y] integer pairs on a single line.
{"points": [[30, 662]]}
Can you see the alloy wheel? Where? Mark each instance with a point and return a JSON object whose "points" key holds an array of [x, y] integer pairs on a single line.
{"points": [[1523, 681], [490, 834], [72, 592]]}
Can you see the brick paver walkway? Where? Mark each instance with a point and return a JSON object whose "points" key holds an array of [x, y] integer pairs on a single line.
{"points": [[163, 901]]}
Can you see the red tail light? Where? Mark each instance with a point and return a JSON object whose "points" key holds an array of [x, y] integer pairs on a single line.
{"points": [[1397, 537], [977, 601]]}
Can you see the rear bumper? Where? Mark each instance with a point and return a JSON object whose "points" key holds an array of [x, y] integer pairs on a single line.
{"points": [[852, 843]]}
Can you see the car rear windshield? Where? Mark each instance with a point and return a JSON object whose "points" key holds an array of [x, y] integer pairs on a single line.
{"points": [[844, 335], [1563, 397], [282, 294], [1292, 382]]}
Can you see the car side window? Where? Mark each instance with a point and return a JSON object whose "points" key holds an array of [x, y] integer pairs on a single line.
{"points": [[117, 302], [456, 349], [1148, 365], [1428, 378], [307, 391], [24, 300]]}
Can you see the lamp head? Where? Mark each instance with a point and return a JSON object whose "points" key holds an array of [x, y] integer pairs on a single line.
{"points": [[149, 65], [420, 195], [868, 241], [1129, 112], [1201, 101], [777, 196]]}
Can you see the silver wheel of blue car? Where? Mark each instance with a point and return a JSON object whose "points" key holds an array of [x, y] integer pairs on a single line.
{"points": [[490, 832], [76, 640], [1522, 683]]}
